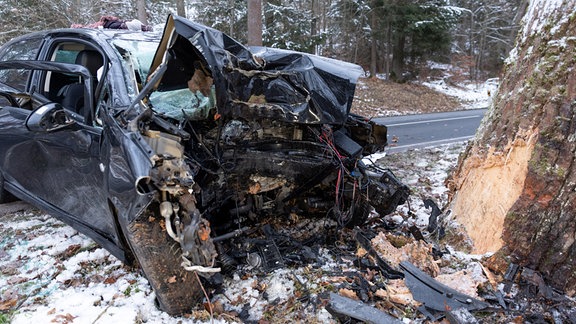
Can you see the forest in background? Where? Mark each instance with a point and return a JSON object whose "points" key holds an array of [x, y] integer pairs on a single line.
{"points": [[399, 40]]}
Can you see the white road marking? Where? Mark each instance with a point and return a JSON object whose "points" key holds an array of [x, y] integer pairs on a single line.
{"points": [[429, 144], [433, 121]]}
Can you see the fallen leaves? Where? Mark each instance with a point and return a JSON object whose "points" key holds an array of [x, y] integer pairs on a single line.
{"points": [[375, 97], [348, 293], [63, 319], [171, 279], [9, 299], [397, 292], [8, 304], [70, 251]]}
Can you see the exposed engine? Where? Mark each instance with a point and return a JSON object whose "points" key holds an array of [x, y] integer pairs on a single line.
{"points": [[229, 180]]}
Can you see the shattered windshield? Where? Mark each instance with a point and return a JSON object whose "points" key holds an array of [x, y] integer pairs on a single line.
{"points": [[179, 98], [184, 103]]}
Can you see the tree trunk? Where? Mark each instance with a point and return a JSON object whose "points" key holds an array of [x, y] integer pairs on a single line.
{"points": [[180, 8], [255, 22], [387, 50], [232, 17], [514, 190], [373, 45], [141, 7], [398, 56]]}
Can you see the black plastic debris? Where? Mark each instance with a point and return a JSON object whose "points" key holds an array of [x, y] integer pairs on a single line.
{"points": [[344, 308], [533, 282], [431, 314], [435, 295], [416, 233], [271, 257], [433, 220], [500, 298], [509, 276], [387, 270]]}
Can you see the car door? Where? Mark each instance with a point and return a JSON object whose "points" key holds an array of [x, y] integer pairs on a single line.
{"points": [[60, 169]]}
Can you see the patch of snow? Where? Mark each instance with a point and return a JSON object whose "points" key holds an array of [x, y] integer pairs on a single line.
{"points": [[472, 95], [439, 66], [280, 286]]}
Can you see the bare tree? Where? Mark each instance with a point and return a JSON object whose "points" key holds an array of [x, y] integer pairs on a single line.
{"points": [[180, 8], [141, 8], [485, 34], [255, 22], [19, 17], [515, 188]]}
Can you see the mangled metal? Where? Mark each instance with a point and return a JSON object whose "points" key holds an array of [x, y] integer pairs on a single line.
{"points": [[218, 141], [260, 162]]}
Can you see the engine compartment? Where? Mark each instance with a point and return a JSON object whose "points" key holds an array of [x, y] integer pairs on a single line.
{"points": [[231, 191]]}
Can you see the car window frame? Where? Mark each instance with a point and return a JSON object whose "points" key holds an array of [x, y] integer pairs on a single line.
{"points": [[98, 92]]}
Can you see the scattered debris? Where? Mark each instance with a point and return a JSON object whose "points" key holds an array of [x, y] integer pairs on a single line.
{"points": [[509, 276], [467, 281], [343, 307], [86, 281], [397, 292], [418, 252], [436, 296], [433, 220], [385, 267]]}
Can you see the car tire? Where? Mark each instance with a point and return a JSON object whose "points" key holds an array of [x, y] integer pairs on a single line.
{"points": [[159, 256]]}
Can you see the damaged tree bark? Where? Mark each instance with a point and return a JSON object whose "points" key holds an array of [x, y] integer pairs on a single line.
{"points": [[515, 187]]}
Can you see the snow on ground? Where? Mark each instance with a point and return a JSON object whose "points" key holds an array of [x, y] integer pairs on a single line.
{"points": [[51, 273], [472, 95], [424, 171]]}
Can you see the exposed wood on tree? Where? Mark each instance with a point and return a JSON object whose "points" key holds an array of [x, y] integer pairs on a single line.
{"points": [[515, 188]]}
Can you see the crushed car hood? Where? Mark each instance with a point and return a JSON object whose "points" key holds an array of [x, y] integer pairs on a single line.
{"points": [[253, 82]]}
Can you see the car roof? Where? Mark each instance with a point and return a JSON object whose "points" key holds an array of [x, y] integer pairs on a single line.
{"points": [[107, 34]]}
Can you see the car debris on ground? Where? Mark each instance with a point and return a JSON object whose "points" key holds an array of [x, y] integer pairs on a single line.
{"points": [[338, 263]]}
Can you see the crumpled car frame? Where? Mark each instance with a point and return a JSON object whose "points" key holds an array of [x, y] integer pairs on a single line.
{"points": [[217, 140]]}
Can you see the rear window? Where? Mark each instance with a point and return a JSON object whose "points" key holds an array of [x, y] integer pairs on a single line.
{"points": [[66, 56]]}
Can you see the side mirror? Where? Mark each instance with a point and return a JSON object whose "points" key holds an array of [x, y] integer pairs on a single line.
{"points": [[47, 118]]}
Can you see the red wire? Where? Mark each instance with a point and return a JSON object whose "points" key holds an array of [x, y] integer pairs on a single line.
{"points": [[338, 186]]}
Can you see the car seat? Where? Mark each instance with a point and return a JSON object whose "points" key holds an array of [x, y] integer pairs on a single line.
{"points": [[72, 95]]}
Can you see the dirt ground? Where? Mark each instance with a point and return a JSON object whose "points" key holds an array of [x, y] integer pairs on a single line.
{"points": [[380, 98]]}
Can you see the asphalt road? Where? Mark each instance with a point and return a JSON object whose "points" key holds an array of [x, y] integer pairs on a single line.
{"points": [[428, 130]]}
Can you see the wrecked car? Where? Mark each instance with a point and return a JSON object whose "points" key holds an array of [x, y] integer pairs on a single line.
{"points": [[174, 150]]}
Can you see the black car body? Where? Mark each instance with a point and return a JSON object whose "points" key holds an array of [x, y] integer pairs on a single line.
{"points": [[173, 150]]}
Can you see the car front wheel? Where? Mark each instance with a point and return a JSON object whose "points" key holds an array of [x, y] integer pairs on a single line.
{"points": [[160, 257]]}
